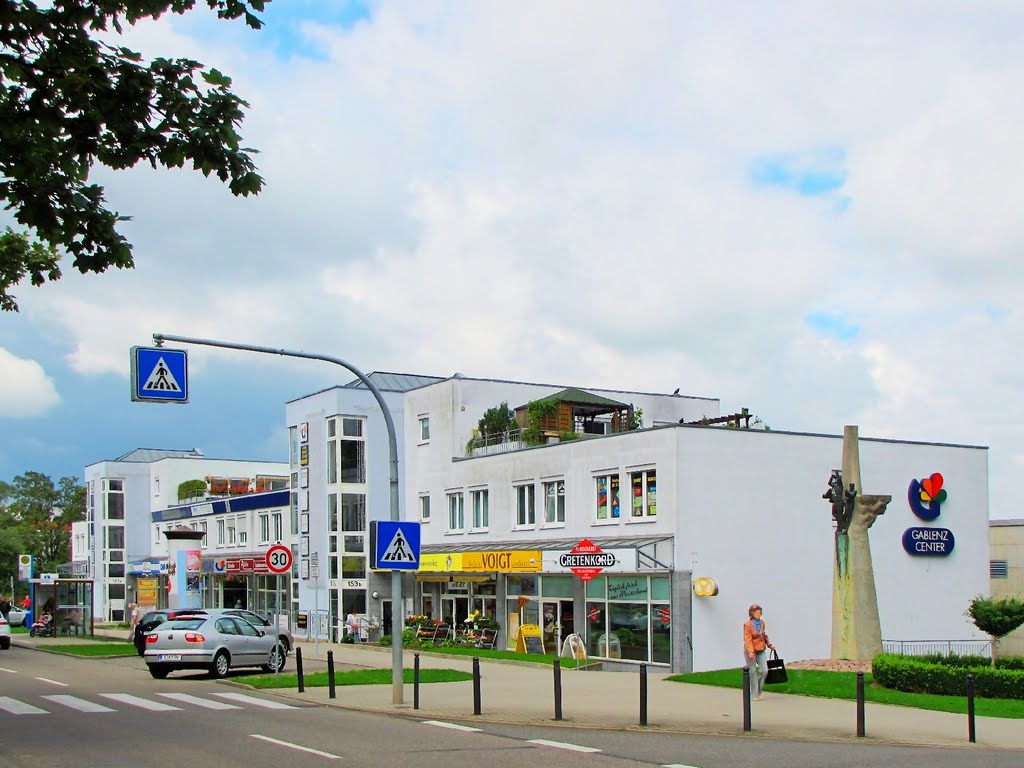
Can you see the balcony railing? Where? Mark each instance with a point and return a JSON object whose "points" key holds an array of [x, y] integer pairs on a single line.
{"points": [[485, 445], [938, 647]]}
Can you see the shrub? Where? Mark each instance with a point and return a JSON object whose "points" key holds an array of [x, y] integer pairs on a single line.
{"points": [[917, 675], [385, 640]]}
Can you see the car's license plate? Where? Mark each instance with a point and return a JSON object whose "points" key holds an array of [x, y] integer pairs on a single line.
{"points": [[169, 657]]}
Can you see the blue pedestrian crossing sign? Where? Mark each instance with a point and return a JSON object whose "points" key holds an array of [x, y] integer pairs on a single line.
{"points": [[159, 375], [394, 546]]}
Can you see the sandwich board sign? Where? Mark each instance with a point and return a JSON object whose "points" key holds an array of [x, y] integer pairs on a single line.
{"points": [[159, 375], [394, 546]]}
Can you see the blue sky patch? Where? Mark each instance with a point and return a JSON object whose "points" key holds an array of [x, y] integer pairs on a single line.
{"points": [[283, 22], [833, 324], [811, 173]]}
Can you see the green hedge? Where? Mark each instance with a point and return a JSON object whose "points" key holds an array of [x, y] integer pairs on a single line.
{"points": [[947, 676], [973, 662]]}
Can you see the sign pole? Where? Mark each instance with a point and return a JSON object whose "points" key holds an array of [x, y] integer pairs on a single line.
{"points": [[277, 623]]}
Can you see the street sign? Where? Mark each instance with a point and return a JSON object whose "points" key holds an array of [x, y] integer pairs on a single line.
{"points": [[24, 567], [587, 560], [279, 559], [159, 375], [394, 546]]}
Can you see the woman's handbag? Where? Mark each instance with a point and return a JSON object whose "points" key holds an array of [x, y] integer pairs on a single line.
{"points": [[776, 670]]}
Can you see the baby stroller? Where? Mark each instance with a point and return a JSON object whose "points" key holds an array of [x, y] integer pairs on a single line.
{"points": [[43, 626]]}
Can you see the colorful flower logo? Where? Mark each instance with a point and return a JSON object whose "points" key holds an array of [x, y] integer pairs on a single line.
{"points": [[926, 496]]}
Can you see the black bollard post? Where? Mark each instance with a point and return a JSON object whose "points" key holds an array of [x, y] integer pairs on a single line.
{"points": [[643, 694], [330, 674], [970, 709], [860, 703], [415, 681], [557, 667], [746, 698], [298, 668], [476, 685]]}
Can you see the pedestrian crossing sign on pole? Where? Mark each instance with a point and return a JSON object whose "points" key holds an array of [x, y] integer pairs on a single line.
{"points": [[394, 546], [159, 375]]}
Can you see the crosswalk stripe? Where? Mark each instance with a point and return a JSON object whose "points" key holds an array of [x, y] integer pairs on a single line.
{"points": [[52, 682], [188, 698], [16, 707], [452, 726], [135, 701], [253, 700], [678, 765], [76, 703], [12, 671], [563, 745]]}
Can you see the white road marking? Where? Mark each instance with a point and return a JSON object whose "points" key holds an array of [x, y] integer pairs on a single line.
{"points": [[453, 726], [253, 700], [679, 765], [12, 671], [135, 701], [188, 698], [288, 744], [52, 682], [80, 704], [16, 707], [563, 745]]}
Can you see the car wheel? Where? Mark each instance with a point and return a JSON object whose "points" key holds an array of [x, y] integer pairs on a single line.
{"points": [[284, 643], [277, 659], [5, 643], [159, 672], [221, 665]]}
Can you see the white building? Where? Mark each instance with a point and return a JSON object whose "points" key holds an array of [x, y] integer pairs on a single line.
{"points": [[123, 494], [672, 502]]}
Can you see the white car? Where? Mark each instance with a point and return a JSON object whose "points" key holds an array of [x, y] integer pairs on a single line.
{"points": [[5, 633], [16, 617]]}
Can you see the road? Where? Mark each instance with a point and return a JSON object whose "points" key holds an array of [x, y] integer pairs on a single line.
{"points": [[58, 711]]}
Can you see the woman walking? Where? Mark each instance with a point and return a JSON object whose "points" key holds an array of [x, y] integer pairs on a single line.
{"points": [[755, 643]]}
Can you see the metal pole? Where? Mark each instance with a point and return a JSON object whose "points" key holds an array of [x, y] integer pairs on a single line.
{"points": [[746, 698], [415, 680], [476, 685], [277, 618], [860, 703], [330, 674], [643, 694], [396, 576], [298, 668], [557, 666], [971, 735]]}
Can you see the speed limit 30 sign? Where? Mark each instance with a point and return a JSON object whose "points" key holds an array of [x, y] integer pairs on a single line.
{"points": [[279, 559]]}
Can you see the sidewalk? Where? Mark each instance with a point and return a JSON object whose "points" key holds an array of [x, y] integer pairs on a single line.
{"points": [[514, 692]]}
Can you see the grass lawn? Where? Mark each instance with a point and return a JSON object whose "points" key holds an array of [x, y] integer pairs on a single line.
{"points": [[843, 685], [357, 677], [115, 648]]}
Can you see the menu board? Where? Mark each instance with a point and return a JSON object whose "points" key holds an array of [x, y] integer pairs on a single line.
{"points": [[530, 639]]}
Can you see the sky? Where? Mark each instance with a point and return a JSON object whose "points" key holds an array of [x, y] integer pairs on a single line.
{"points": [[807, 210]]}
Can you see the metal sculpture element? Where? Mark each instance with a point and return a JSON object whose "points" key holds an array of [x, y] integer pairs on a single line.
{"points": [[856, 631]]}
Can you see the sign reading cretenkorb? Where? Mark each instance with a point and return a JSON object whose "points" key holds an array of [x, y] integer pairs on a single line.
{"points": [[587, 560]]}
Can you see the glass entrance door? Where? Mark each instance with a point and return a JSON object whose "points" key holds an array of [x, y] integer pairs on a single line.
{"points": [[556, 623], [454, 611]]}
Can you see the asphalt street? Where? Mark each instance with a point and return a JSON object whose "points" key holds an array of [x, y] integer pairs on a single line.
{"points": [[58, 711]]}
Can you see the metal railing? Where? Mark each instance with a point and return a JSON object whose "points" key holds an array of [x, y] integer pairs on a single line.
{"points": [[938, 647], [484, 445]]}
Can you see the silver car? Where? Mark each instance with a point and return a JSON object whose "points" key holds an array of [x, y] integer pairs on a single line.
{"points": [[253, 618], [215, 643]]}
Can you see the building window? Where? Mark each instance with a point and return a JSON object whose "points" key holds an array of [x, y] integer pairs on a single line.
{"points": [[156, 534], [115, 537], [231, 533], [999, 569], [346, 455], [645, 493], [425, 508], [456, 512], [526, 513], [353, 461], [352, 427], [332, 462], [202, 527], [554, 502], [115, 499], [353, 512], [607, 489], [424, 429], [221, 538], [278, 526], [264, 529], [115, 571], [481, 513], [156, 486]]}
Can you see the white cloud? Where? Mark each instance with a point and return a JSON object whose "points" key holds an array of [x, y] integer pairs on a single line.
{"points": [[25, 389]]}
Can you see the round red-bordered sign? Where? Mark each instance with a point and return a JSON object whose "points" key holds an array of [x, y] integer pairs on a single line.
{"points": [[279, 559]]}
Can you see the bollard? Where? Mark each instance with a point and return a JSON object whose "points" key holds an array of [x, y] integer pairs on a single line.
{"points": [[643, 694], [476, 685], [860, 703], [746, 698], [557, 667], [330, 674], [415, 681], [298, 669], [970, 708]]}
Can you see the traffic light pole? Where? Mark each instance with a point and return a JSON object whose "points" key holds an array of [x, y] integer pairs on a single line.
{"points": [[396, 576]]}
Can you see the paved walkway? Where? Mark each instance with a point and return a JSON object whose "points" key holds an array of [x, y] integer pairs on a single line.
{"points": [[514, 692]]}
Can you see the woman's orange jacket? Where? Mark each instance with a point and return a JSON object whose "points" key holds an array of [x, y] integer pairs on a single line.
{"points": [[752, 641]]}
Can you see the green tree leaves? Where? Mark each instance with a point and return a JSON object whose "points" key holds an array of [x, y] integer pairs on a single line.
{"points": [[37, 515], [69, 101]]}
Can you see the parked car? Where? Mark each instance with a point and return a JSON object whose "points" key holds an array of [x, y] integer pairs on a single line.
{"points": [[215, 643], [5, 633], [261, 623], [16, 617], [154, 619]]}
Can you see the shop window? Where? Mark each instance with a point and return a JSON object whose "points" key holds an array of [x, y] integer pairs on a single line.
{"points": [[352, 427], [456, 512], [554, 502], [661, 633], [353, 567], [630, 623], [425, 508], [644, 493], [520, 585], [597, 587], [607, 497], [556, 586], [526, 516], [661, 588], [424, 429], [353, 512], [481, 511]]}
